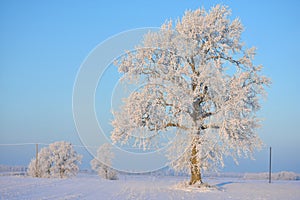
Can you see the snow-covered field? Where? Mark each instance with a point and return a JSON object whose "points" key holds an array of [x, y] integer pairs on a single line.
{"points": [[87, 186]]}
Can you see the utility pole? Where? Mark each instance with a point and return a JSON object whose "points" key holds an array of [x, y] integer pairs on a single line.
{"points": [[270, 165], [36, 160]]}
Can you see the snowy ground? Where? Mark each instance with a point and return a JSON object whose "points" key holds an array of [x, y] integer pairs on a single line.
{"points": [[87, 186]]}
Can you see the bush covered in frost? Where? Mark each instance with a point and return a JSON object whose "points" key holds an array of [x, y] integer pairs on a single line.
{"points": [[102, 163], [58, 160]]}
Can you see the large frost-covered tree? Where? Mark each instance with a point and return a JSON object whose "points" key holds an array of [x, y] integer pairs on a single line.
{"points": [[58, 160], [198, 79], [103, 162]]}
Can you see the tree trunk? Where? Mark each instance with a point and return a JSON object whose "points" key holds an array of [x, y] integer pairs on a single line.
{"points": [[195, 170], [61, 173], [106, 172]]}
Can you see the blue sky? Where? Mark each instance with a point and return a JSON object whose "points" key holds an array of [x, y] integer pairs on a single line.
{"points": [[43, 44]]}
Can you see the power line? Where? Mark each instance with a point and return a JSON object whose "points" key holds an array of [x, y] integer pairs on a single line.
{"points": [[75, 145], [39, 143], [23, 144]]}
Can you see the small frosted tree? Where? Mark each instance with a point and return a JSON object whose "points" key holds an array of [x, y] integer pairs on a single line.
{"points": [[58, 160], [198, 79], [102, 163]]}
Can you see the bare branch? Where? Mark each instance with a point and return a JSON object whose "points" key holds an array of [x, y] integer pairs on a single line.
{"points": [[212, 126], [170, 124]]}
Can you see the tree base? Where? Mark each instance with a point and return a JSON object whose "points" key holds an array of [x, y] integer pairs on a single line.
{"points": [[196, 187], [195, 182], [201, 185]]}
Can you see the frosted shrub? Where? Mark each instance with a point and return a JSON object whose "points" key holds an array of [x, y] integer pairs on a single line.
{"points": [[58, 160], [102, 163]]}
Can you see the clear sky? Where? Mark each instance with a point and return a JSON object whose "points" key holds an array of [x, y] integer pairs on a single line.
{"points": [[43, 44]]}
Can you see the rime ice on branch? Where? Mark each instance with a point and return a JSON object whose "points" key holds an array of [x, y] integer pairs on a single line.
{"points": [[200, 80]]}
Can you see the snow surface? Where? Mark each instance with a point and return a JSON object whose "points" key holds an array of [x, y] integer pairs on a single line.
{"points": [[87, 186]]}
